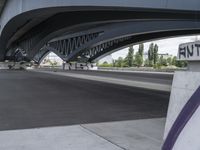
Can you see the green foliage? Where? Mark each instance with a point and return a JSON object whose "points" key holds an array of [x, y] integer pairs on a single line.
{"points": [[146, 63], [129, 60], [141, 49], [150, 54], [141, 52], [162, 61], [138, 59], [169, 61], [113, 63], [155, 54], [174, 61], [119, 62], [105, 64], [153, 59], [52, 63], [179, 63]]}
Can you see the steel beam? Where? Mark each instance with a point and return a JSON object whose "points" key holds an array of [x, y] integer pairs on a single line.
{"points": [[114, 32], [111, 37], [36, 31]]}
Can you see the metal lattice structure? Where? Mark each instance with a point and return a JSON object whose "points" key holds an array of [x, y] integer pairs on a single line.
{"points": [[103, 48], [43, 52], [64, 47], [67, 46]]}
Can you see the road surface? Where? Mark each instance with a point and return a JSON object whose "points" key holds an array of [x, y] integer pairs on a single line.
{"points": [[32, 99], [154, 77]]}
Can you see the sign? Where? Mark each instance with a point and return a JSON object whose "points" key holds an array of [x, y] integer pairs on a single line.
{"points": [[189, 51]]}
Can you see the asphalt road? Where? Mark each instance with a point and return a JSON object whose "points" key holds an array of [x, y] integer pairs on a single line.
{"points": [[31, 99], [136, 76]]}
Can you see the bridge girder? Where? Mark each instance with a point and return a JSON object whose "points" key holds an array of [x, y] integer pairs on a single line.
{"points": [[32, 34], [110, 37], [30, 24]]}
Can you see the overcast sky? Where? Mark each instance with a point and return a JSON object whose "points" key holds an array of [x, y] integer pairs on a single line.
{"points": [[169, 45]]}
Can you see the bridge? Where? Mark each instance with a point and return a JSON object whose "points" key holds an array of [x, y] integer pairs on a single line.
{"points": [[85, 31], [88, 30]]}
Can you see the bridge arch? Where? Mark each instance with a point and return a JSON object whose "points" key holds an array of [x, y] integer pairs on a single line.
{"points": [[32, 24], [112, 36]]}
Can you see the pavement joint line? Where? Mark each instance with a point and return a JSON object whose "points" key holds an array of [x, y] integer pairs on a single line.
{"points": [[144, 135], [85, 128], [131, 83]]}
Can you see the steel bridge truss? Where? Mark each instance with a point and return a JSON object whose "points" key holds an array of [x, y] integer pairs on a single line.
{"points": [[64, 47], [98, 42]]}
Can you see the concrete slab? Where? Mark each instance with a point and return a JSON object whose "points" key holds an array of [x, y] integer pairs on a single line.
{"points": [[124, 135], [54, 138], [144, 134]]}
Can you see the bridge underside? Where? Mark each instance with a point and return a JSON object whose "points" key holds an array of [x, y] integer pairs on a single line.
{"points": [[89, 35]]}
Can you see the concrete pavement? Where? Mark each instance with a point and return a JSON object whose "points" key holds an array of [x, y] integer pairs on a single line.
{"points": [[125, 135], [51, 112]]}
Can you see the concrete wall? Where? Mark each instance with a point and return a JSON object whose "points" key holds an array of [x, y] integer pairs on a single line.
{"points": [[184, 85]]}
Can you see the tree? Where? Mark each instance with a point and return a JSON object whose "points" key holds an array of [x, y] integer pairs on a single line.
{"points": [[174, 61], [155, 54], [146, 62], [53, 63], [162, 61], [130, 57], [105, 64], [138, 59], [181, 64], [178, 63], [119, 62], [113, 63], [141, 51], [169, 61], [150, 54]]}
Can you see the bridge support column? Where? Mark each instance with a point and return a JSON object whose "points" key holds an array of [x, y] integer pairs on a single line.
{"points": [[183, 118]]}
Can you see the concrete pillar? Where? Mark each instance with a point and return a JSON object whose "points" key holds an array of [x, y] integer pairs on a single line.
{"points": [[185, 83], [183, 118]]}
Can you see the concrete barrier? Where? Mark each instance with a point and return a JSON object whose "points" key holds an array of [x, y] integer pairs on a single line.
{"points": [[183, 118]]}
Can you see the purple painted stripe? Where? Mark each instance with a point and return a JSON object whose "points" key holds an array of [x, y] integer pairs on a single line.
{"points": [[183, 118]]}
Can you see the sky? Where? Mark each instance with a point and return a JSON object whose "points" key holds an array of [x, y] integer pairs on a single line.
{"points": [[169, 46]]}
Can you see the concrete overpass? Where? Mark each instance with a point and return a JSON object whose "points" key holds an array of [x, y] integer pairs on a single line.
{"points": [[89, 29]]}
